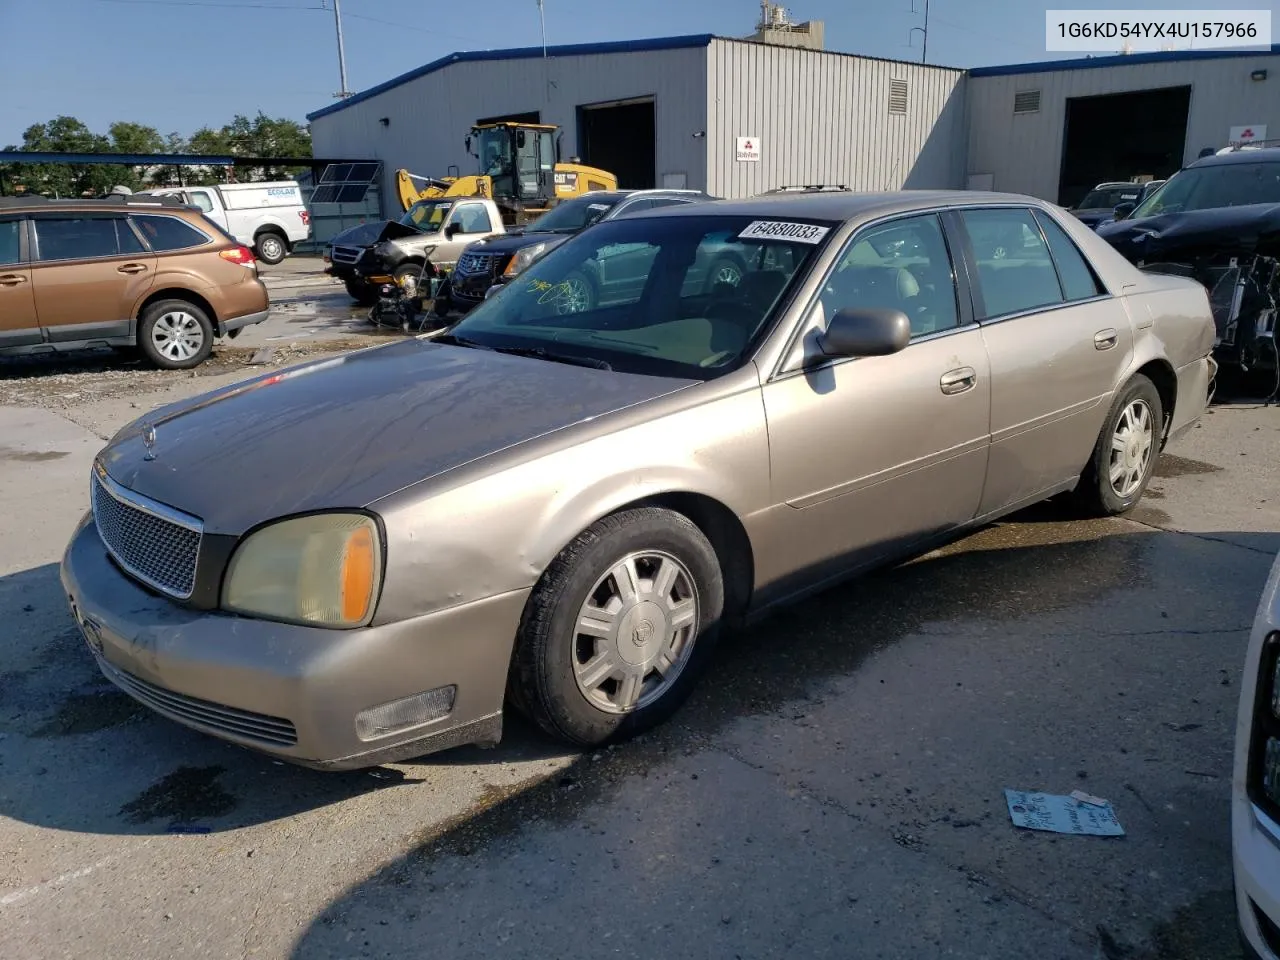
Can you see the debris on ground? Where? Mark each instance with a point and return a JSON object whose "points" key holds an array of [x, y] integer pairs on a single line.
{"points": [[1061, 814]]}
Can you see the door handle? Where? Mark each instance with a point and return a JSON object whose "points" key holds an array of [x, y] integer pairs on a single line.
{"points": [[958, 381], [132, 268], [1105, 339], [12, 280]]}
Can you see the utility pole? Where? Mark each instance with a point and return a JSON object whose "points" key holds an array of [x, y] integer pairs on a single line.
{"points": [[542, 17], [924, 31], [342, 57]]}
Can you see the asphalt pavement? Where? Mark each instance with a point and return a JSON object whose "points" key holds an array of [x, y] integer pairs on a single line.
{"points": [[834, 787]]}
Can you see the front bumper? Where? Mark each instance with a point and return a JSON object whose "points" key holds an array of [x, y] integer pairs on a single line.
{"points": [[290, 691], [1256, 854]]}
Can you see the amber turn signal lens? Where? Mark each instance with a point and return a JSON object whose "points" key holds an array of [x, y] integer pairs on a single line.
{"points": [[358, 567]]}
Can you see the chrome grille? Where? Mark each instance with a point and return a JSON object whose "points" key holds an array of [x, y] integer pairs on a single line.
{"points": [[473, 263], [154, 543], [276, 731], [347, 255]]}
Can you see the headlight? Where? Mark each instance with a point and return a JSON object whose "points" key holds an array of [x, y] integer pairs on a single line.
{"points": [[524, 257], [321, 570]]}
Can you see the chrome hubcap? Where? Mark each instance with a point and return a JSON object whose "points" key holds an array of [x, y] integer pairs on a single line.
{"points": [[635, 632], [1131, 448], [575, 296], [729, 274], [177, 335]]}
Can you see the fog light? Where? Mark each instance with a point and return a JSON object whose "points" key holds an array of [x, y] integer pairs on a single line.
{"points": [[388, 718], [1271, 771]]}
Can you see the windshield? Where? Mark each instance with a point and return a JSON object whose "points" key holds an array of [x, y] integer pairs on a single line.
{"points": [[1222, 185], [570, 216], [427, 215], [679, 296], [1109, 197]]}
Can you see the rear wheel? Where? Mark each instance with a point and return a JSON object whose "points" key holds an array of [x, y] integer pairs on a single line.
{"points": [[175, 334], [1125, 455], [619, 628], [270, 248], [576, 294]]}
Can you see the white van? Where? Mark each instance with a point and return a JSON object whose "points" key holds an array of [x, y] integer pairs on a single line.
{"points": [[270, 217]]}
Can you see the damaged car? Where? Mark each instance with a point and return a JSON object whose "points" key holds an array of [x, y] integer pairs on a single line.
{"points": [[1217, 221]]}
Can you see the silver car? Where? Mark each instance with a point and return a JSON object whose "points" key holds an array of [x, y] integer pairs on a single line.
{"points": [[368, 558]]}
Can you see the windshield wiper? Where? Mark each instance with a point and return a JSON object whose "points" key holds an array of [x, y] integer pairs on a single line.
{"points": [[541, 353], [456, 341]]}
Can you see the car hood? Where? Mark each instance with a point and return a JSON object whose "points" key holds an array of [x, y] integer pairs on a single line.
{"points": [[511, 242], [1221, 230], [367, 234], [347, 431]]}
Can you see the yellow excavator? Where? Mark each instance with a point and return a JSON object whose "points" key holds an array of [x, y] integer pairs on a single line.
{"points": [[519, 170]]}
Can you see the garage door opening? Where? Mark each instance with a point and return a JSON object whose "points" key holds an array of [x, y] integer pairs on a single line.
{"points": [[620, 137], [1120, 136]]}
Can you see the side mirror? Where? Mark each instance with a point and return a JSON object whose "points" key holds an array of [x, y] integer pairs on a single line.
{"points": [[467, 145], [451, 229], [1122, 210], [866, 332], [520, 141]]}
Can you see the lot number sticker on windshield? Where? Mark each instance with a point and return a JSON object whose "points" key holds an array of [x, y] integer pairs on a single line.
{"points": [[777, 230]]}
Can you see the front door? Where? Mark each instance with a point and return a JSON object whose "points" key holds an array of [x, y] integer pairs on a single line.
{"points": [[1058, 345], [472, 222], [18, 324], [89, 271], [874, 454], [214, 211]]}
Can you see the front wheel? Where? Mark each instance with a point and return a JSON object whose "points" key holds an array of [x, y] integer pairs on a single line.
{"points": [[619, 628], [1125, 455], [365, 294]]}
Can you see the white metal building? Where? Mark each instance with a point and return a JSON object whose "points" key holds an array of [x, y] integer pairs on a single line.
{"points": [[735, 117], [670, 112]]}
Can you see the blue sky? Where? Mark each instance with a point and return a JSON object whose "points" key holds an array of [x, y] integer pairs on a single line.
{"points": [[181, 64]]}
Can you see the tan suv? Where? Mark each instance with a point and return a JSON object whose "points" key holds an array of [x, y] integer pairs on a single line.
{"points": [[124, 272]]}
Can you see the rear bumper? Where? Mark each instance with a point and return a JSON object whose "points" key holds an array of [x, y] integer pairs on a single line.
{"points": [[236, 323]]}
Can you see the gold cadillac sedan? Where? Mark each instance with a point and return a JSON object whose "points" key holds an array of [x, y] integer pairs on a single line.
{"points": [[562, 502]]}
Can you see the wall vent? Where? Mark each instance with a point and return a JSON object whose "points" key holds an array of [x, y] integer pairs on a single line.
{"points": [[898, 96], [1026, 101]]}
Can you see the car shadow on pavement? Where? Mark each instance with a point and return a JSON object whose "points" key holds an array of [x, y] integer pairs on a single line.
{"points": [[79, 755], [739, 827]]}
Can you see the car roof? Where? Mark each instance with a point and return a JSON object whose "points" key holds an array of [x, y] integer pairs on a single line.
{"points": [[845, 205], [39, 203], [1117, 185], [1245, 155]]}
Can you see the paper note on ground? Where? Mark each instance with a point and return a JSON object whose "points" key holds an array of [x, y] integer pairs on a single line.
{"points": [[1057, 814]]}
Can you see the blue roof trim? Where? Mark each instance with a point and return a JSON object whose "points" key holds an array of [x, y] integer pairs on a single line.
{"points": [[1118, 60], [522, 53]]}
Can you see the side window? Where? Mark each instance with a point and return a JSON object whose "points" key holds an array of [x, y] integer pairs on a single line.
{"points": [[473, 218], [902, 265], [1015, 271], [201, 200], [168, 233], [76, 238], [665, 202], [126, 240], [10, 241], [635, 206], [1078, 280]]}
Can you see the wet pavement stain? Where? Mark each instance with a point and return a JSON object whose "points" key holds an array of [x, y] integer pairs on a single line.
{"points": [[187, 794], [31, 456], [90, 712], [1171, 466]]}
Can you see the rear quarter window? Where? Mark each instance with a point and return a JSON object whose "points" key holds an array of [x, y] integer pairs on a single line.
{"points": [[169, 233]]}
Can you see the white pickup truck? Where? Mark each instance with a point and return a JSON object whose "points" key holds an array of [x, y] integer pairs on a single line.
{"points": [[270, 217]]}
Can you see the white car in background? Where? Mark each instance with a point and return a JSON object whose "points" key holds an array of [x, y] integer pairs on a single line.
{"points": [[1255, 783], [269, 217]]}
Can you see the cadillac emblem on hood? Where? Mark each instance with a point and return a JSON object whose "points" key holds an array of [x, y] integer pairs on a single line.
{"points": [[149, 441]]}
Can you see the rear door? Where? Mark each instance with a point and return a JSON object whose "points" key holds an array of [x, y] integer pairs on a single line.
{"points": [[18, 324], [89, 271], [1058, 342]]}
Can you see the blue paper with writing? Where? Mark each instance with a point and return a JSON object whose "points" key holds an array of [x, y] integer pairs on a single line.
{"points": [[1057, 814]]}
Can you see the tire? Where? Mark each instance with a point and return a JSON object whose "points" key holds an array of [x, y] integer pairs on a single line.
{"points": [[723, 270], [407, 270], [362, 293], [1136, 405], [551, 653], [270, 247], [175, 334]]}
